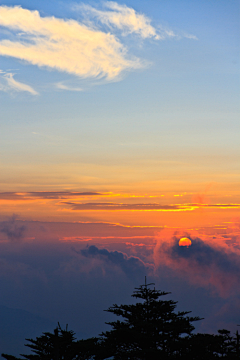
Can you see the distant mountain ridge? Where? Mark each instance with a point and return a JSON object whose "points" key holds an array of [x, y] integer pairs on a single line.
{"points": [[18, 324]]}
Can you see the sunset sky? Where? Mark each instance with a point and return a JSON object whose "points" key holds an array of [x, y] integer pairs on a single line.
{"points": [[119, 136]]}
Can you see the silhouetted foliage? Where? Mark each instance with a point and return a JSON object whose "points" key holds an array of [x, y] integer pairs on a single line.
{"points": [[226, 344], [59, 345], [148, 330], [151, 329]]}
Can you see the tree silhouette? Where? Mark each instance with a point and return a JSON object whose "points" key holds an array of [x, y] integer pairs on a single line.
{"points": [[226, 344], [151, 329], [59, 345]]}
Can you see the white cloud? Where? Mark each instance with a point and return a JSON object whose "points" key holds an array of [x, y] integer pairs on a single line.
{"points": [[123, 18], [62, 86], [65, 45], [81, 49], [8, 84], [189, 36], [128, 21]]}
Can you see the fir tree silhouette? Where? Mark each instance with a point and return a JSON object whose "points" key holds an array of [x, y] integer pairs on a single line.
{"points": [[59, 345], [151, 329]]}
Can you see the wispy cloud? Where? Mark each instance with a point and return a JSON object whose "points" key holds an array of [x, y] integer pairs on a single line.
{"points": [[123, 18], [12, 229], [110, 206], [46, 195], [65, 45], [189, 36], [9, 84], [62, 86], [128, 21], [146, 206], [85, 49]]}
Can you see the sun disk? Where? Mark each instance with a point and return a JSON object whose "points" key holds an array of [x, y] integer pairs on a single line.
{"points": [[185, 242]]}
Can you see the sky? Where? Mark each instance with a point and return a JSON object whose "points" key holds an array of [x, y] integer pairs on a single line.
{"points": [[119, 135]]}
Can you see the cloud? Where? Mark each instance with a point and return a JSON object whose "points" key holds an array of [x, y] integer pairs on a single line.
{"points": [[8, 84], [144, 207], [84, 49], [202, 263], [127, 264], [204, 255], [61, 86], [64, 45], [135, 207], [123, 18], [223, 206], [12, 229], [46, 195], [128, 21], [189, 36]]}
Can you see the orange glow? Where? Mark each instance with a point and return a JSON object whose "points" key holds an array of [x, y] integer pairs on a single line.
{"points": [[185, 242], [128, 208]]}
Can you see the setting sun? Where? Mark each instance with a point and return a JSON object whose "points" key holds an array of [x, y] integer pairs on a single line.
{"points": [[185, 242]]}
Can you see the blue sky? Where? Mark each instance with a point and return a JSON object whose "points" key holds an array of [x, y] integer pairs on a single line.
{"points": [[185, 96]]}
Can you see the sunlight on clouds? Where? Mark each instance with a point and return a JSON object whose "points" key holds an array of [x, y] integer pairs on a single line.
{"points": [[205, 262], [65, 45], [8, 84], [123, 18]]}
